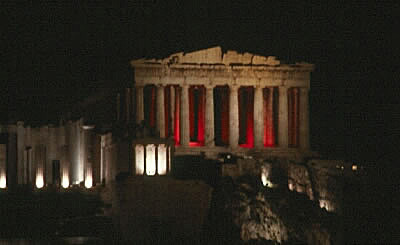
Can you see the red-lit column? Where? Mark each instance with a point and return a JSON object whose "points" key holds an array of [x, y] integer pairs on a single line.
{"points": [[283, 118], [233, 116], [139, 104], [185, 136], [258, 118], [209, 139], [304, 119], [160, 111]]}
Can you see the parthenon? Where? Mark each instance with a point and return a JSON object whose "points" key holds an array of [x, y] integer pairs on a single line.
{"points": [[210, 101]]}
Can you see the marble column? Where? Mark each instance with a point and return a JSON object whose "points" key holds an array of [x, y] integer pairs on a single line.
{"points": [[258, 118], [172, 109], [51, 152], [270, 117], [185, 136], [88, 154], [304, 119], [283, 118], [209, 119], [139, 104], [20, 152], [160, 111], [233, 116]]}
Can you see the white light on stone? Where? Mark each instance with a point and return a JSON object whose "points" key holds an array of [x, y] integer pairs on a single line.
{"points": [[326, 205], [3, 181], [3, 154], [88, 181], [88, 177], [39, 180], [162, 159], [264, 179], [139, 155], [65, 181], [151, 159], [354, 167]]}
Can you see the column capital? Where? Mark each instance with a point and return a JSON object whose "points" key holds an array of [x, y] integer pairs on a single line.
{"points": [[283, 88], [209, 86], [184, 85], [233, 87]]}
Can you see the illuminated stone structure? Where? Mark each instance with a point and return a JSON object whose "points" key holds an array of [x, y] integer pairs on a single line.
{"points": [[48, 155], [214, 102]]}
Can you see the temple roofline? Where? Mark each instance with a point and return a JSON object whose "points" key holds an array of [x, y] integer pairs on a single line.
{"points": [[213, 58]]}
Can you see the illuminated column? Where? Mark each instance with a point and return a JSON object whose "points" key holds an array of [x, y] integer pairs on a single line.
{"points": [[162, 159], [172, 109], [51, 153], [40, 157], [20, 152], [258, 118], [88, 155], [283, 117], [185, 115], [28, 159], [150, 159], [233, 116], [139, 104], [139, 159], [304, 119], [3, 166], [209, 116], [160, 111], [65, 167]]}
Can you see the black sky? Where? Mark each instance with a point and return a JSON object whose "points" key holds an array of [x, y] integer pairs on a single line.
{"points": [[54, 53]]}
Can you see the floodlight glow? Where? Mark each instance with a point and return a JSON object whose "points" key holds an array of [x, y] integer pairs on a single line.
{"points": [[88, 181], [65, 182], [3, 181], [162, 159], [264, 179], [151, 159], [39, 180], [139, 155], [326, 205]]}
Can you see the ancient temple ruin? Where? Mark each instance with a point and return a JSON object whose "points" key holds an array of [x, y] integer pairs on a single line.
{"points": [[213, 102]]}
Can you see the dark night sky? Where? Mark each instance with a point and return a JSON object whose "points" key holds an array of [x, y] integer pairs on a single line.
{"points": [[53, 54]]}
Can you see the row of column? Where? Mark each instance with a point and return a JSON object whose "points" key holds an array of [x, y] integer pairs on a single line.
{"points": [[283, 138]]}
